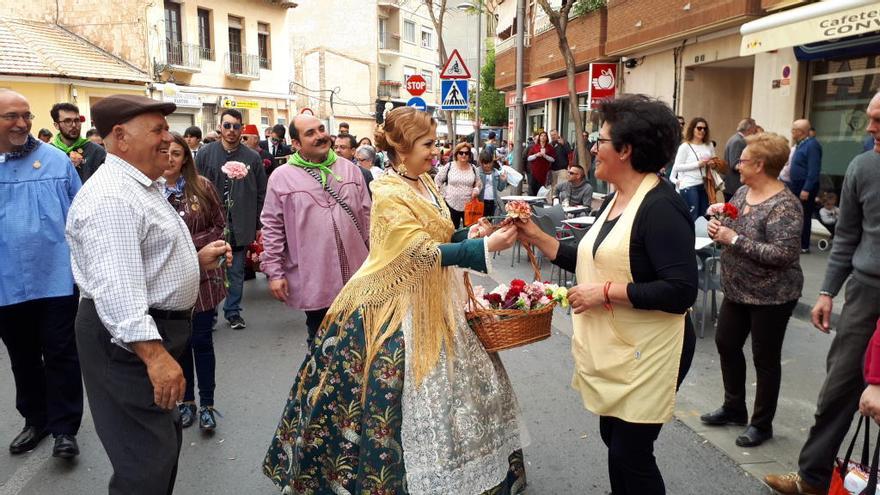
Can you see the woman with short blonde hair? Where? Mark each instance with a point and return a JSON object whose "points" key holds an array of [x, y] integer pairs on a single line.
{"points": [[761, 278]]}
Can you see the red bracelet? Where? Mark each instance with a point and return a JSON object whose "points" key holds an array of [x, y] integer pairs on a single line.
{"points": [[607, 304]]}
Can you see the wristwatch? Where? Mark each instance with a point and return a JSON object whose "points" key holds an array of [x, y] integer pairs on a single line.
{"points": [[733, 241], [826, 293]]}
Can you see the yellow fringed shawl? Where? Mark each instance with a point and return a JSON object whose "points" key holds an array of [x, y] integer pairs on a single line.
{"points": [[401, 273]]}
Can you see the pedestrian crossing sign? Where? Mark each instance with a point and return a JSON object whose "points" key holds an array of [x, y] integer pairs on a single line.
{"points": [[454, 94]]}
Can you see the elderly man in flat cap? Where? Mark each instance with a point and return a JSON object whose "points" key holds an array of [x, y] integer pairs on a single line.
{"points": [[138, 271], [37, 296]]}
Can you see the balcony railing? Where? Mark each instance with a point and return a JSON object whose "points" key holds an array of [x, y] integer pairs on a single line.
{"points": [[242, 66], [180, 56], [206, 53], [390, 42], [389, 89]]}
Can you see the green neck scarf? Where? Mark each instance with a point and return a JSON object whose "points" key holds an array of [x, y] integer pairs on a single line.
{"points": [[58, 143], [324, 167]]}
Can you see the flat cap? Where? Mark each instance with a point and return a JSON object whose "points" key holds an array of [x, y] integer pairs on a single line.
{"points": [[118, 109]]}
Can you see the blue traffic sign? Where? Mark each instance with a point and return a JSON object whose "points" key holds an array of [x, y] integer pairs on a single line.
{"points": [[454, 94], [417, 103]]}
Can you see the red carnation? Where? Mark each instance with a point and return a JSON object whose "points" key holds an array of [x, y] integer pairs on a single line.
{"points": [[730, 211], [494, 299]]}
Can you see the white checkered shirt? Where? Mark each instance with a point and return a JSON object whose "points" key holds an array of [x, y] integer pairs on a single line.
{"points": [[130, 251]]}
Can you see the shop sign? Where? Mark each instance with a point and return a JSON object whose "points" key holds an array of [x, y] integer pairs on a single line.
{"points": [[603, 83], [229, 102], [798, 27], [184, 100]]}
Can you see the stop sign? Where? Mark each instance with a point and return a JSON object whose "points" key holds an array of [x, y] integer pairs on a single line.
{"points": [[416, 85]]}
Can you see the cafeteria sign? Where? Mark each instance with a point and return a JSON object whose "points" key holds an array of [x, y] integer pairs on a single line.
{"points": [[233, 103]]}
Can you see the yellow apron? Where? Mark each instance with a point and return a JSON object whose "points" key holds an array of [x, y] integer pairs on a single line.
{"points": [[626, 361]]}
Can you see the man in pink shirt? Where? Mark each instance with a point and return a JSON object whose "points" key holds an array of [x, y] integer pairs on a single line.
{"points": [[316, 221]]}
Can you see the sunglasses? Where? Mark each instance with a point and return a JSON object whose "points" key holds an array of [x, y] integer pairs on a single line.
{"points": [[230, 125], [463, 152], [701, 128]]}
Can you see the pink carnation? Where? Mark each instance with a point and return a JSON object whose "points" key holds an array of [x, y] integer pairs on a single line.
{"points": [[235, 170]]}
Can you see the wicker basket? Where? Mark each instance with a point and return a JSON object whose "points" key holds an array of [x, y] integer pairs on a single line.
{"points": [[500, 329]]}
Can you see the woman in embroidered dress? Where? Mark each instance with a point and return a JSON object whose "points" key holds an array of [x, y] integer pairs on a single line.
{"points": [[195, 198], [637, 276], [398, 395]]}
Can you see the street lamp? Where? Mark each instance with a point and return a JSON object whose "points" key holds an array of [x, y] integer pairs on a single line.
{"points": [[466, 7]]}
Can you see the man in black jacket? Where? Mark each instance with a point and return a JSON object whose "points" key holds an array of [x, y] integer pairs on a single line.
{"points": [[246, 196]]}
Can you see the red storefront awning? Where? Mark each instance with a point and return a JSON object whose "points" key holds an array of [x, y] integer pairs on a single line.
{"points": [[557, 88]]}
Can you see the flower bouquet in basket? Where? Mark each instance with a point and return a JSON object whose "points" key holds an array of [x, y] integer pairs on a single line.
{"points": [[516, 314]]}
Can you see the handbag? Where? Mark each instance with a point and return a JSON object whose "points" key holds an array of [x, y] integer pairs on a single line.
{"points": [[473, 211], [852, 478], [713, 182]]}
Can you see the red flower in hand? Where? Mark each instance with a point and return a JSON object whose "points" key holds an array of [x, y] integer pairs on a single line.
{"points": [[730, 211]]}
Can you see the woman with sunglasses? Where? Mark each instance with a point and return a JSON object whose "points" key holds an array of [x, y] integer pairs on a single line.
{"points": [[198, 204], [692, 164], [459, 182]]}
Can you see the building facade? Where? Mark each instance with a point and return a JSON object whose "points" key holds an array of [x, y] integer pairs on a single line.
{"points": [[773, 60], [204, 56]]}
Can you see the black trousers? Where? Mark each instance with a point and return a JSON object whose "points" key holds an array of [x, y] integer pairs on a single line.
{"points": [[489, 207], [142, 440], [39, 337], [632, 466], [844, 383], [767, 325], [457, 216], [808, 206], [313, 322]]}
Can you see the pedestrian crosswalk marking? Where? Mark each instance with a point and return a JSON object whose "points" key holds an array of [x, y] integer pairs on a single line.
{"points": [[454, 94], [454, 97]]}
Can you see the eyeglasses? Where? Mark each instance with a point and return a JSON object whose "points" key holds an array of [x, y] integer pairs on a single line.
{"points": [[230, 125], [13, 117], [599, 141], [78, 120], [743, 160], [701, 128], [463, 152]]}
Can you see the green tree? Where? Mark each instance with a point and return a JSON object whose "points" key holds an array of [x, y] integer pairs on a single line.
{"points": [[493, 112]]}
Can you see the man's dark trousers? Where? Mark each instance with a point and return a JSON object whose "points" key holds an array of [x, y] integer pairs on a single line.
{"points": [[39, 337], [142, 440], [839, 396]]}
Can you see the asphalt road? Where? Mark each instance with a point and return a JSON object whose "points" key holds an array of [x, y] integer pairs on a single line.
{"points": [[255, 369]]}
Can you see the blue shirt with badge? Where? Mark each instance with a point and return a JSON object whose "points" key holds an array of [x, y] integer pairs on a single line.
{"points": [[37, 186]]}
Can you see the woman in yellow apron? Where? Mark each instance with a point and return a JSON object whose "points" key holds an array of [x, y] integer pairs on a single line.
{"points": [[637, 276]]}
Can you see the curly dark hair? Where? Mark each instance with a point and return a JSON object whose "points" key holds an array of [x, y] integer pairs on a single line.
{"points": [[648, 125]]}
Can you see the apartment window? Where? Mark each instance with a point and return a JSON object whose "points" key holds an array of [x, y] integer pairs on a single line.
{"points": [[383, 73], [236, 63], [173, 35], [408, 71], [206, 48], [409, 31], [263, 45], [429, 79], [383, 33], [426, 39]]}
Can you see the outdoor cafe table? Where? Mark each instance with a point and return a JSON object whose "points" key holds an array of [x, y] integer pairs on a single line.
{"points": [[527, 199]]}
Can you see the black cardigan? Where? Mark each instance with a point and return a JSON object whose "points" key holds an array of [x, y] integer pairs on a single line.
{"points": [[662, 258]]}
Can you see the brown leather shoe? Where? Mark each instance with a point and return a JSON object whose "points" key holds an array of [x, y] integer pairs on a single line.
{"points": [[792, 484]]}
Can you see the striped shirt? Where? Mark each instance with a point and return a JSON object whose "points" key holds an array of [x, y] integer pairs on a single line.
{"points": [[130, 251]]}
